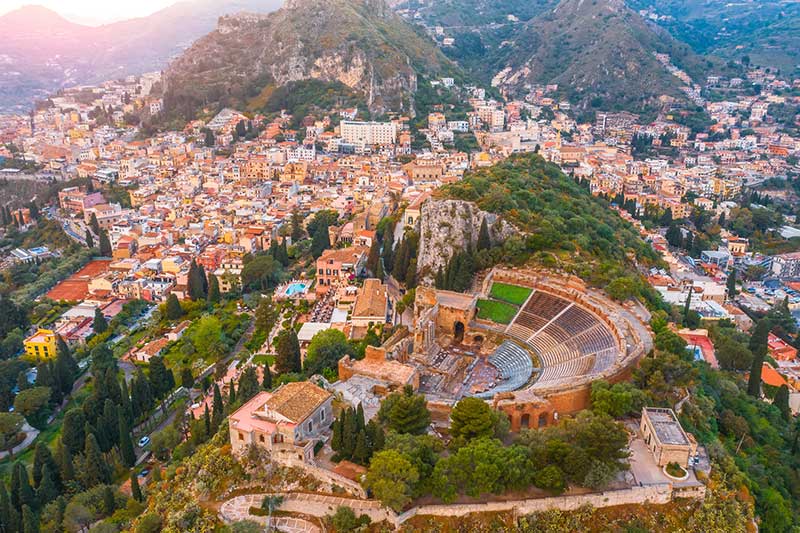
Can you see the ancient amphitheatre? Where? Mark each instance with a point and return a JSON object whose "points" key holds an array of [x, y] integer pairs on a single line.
{"points": [[534, 356]]}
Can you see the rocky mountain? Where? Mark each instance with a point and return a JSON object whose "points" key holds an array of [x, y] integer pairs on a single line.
{"points": [[599, 52], [362, 44], [42, 52], [448, 227]]}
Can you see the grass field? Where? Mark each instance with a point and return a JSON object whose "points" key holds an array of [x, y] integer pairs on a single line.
{"points": [[512, 294], [499, 312]]}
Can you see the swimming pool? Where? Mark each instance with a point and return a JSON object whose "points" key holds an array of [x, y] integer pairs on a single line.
{"points": [[296, 288]]}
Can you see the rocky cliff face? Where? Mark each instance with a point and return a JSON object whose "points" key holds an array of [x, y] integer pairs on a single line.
{"points": [[360, 43], [448, 227]]}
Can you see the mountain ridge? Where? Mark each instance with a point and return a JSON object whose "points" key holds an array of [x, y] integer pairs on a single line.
{"points": [[43, 51], [362, 44]]}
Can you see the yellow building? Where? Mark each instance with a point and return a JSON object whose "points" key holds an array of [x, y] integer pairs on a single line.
{"points": [[40, 345]]}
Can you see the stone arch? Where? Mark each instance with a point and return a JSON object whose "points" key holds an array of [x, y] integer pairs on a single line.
{"points": [[458, 331], [542, 422], [525, 421]]}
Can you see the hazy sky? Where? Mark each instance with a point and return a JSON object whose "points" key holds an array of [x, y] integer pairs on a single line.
{"points": [[93, 11]]}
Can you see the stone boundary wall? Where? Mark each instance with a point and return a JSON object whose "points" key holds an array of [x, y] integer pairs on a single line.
{"points": [[652, 494], [326, 476]]}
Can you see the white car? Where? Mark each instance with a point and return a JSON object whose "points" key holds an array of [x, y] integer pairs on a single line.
{"points": [[144, 441]]}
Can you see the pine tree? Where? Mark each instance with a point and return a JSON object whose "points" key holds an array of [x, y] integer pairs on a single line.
{"points": [[484, 239], [127, 453], [105, 245], [89, 239], [219, 410], [100, 324], [213, 289], [136, 491], [173, 307]]}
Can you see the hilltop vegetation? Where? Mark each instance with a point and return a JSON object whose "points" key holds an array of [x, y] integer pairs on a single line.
{"points": [[566, 227]]}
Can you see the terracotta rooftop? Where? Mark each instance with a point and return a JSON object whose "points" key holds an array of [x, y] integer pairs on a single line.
{"points": [[371, 299], [297, 401]]}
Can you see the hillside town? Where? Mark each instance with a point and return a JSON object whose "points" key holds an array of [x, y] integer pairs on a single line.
{"points": [[283, 222]]}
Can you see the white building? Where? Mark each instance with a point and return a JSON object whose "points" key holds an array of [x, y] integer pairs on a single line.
{"points": [[368, 133]]}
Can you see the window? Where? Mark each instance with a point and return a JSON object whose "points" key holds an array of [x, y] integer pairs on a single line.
{"points": [[310, 426], [261, 438], [322, 415], [241, 437]]}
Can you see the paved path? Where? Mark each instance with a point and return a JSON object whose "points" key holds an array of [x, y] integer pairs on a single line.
{"points": [[30, 436], [317, 505]]}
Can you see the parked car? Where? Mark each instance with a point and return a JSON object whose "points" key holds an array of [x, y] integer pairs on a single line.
{"points": [[144, 441]]}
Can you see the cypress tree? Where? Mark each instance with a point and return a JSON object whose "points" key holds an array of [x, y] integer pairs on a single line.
{"points": [[30, 524], [89, 239], [266, 381], [284, 254], [360, 424], [320, 241], [336, 439], [374, 257], [41, 458], [109, 503], [96, 470], [248, 384], [105, 245], [287, 349], [361, 451], [48, 489], [203, 280], [388, 250], [14, 487], [21, 487], [782, 401], [376, 436], [349, 434], [218, 408], [65, 466], [127, 452], [72, 432], [195, 282], [758, 345], [484, 239], [100, 324], [207, 421], [213, 289], [187, 380], [731, 284], [94, 224], [136, 491], [686, 307], [232, 393], [5, 508], [125, 403], [173, 308]]}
